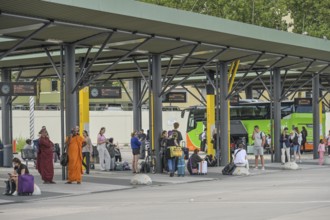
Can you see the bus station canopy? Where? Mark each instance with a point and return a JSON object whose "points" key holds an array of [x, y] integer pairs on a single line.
{"points": [[119, 36]]}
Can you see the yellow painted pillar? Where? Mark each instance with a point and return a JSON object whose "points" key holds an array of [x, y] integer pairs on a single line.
{"points": [[321, 119], [210, 116], [231, 76], [84, 110]]}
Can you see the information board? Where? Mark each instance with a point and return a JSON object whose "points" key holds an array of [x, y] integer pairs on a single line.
{"points": [[18, 89], [175, 97], [105, 92]]}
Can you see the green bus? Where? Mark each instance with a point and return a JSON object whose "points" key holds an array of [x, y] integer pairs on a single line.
{"points": [[248, 113]]}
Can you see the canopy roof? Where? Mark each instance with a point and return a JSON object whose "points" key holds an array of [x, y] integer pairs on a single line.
{"points": [[132, 30]]}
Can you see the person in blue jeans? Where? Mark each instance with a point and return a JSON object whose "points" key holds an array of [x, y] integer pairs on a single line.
{"points": [[172, 142]]}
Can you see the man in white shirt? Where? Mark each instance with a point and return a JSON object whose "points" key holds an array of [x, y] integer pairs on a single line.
{"points": [[240, 157], [259, 138]]}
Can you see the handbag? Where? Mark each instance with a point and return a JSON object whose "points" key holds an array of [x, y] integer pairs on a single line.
{"points": [[175, 151], [64, 160]]}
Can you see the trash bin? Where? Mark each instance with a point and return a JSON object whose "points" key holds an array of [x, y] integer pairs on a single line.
{"points": [[7, 155]]}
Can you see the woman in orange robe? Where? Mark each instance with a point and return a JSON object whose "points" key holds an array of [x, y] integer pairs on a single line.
{"points": [[75, 157]]}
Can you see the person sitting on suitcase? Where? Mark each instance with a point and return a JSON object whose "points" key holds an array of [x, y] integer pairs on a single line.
{"points": [[19, 169], [194, 160], [240, 157]]}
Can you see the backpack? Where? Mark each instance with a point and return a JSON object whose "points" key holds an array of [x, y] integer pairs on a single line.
{"points": [[295, 139]]}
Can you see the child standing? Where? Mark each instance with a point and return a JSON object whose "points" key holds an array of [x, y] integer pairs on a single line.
{"points": [[321, 150]]}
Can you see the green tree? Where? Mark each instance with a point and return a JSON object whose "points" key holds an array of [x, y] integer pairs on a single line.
{"points": [[266, 13], [311, 17]]}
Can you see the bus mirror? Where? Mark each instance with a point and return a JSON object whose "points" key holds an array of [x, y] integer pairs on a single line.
{"points": [[182, 113]]}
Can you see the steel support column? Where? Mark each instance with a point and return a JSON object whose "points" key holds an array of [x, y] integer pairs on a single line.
{"points": [[156, 108], [137, 116], [316, 114], [224, 120], [7, 138], [71, 101], [277, 113]]}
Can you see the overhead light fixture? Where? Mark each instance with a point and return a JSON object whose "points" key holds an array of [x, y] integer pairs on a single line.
{"points": [[55, 41]]}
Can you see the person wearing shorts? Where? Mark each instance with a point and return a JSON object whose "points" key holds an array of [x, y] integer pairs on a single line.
{"points": [[259, 138], [135, 145]]}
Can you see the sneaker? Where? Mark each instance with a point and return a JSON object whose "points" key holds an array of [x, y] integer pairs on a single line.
{"points": [[263, 168], [14, 194], [256, 168]]}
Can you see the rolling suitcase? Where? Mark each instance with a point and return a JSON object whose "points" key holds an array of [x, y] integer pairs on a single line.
{"points": [[181, 166], [25, 185], [202, 168]]}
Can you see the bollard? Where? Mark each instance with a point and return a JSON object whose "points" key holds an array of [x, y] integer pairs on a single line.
{"points": [[7, 155]]}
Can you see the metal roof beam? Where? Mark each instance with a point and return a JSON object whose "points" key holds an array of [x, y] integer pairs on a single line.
{"points": [[53, 63], [200, 93], [144, 91], [124, 87], [19, 74], [193, 95], [302, 85], [195, 71], [167, 69], [253, 80], [83, 71], [141, 72], [245, 74], [24, 40], [71, 24], [300, 76], [118, 61], [167, 83]]}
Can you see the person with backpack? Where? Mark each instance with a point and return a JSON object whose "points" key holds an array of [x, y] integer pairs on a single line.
{"points": [[240, 157], [285, 145], [304, 138], [171, 142], [259, 138], [295, 144]]}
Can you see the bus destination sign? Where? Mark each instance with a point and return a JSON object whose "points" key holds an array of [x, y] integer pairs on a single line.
{"points": [[175, 97], [105, 92], [303, 101]]}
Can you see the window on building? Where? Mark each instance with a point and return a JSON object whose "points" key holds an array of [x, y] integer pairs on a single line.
{"points": [[54, 85]]}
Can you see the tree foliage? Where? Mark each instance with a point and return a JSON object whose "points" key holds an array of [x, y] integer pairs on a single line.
{"points": [[312, 16]]}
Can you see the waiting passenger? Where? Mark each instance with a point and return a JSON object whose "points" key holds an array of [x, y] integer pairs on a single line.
{"points": [[193, 162], [75, 143], [211, 160], [87, 151], [285, 145], [28, 145], [19, 169], [45, 164], [135, 145], [240, 157], [104, 155]]}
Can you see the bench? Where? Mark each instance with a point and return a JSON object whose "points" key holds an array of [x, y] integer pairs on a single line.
{"points": [[28, 155]]}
